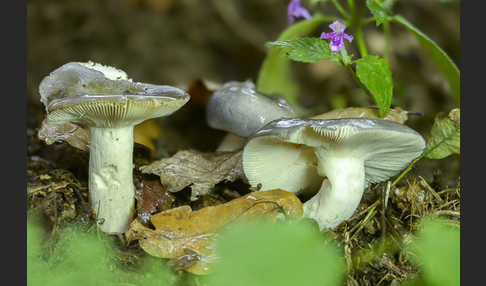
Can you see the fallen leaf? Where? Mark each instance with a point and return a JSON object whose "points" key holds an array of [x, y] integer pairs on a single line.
{"points": [[394, 114], [146, 132], [445, 136], [165, 244], [185, 235], [151, 197], [201, 171], [209, 219], [73, 134]]}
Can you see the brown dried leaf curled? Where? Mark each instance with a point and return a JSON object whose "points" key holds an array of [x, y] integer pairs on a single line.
{"points": [[166, 244], [73, 134], [209, 219], [201, 171], [185, 235]]}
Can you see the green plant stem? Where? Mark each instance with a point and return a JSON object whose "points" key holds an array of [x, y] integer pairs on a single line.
{"points": [[407, 170], [367, 21], [356, 26], [341, 10], [351, 6], [360, 42], [386, 30]]}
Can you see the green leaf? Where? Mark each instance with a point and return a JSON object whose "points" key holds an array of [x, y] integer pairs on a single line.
{"points": [[78, 257], [445, 136], [275, 74], [307, 50], [379, 13], [283, 254], [440, 58], [437, 253], [375, 74]]}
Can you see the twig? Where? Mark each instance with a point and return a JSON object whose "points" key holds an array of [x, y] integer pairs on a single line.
{"points": [[362, 223], [430, 190]]}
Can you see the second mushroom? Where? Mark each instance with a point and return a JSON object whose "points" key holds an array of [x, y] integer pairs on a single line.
{"points": [[337, 157]]}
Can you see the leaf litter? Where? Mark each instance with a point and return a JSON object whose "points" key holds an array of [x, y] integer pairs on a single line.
{"points": [[185, 236], [198, 170]]}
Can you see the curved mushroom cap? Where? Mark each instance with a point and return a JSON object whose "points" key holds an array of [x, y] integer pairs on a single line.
{"points": [[282, 152], [101, 96], [238, 108]]}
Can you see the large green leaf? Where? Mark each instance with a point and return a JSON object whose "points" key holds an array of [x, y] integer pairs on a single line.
{"points": [[275, 74], [445, 136], [281, 254], [437, 253], [307, 50], [440, 58], [375, 74]]}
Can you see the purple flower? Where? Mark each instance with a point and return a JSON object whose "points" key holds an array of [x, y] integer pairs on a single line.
{"points": [[337, 36], [295, 10]]}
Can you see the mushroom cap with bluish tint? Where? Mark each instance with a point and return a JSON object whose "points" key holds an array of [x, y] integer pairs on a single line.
{"points": [[101, 96], [238, 108]]}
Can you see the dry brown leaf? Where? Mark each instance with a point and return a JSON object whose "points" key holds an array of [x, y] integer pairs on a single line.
{"points": [[395, 114], [73, 134], [185, 235], [173, 245], [201, 171], [146, 132], [209, 219], [151, 196]]}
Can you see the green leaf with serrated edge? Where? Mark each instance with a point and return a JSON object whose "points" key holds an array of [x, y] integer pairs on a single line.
{"points": [[443, 62], [436, 251], [379, 13], [307, 50], [375, 74], [275, 74], [445, 136]]}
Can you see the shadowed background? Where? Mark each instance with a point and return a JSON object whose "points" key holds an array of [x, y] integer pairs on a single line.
{"points": [[177, 42]]}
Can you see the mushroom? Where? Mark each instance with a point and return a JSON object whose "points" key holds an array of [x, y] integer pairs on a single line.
{"points": [[239, 109], [343, 156], [105, 100]]}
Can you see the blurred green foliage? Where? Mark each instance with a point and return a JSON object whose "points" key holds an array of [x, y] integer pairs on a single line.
{"points": [[436, 251], [80, 258], [277, 254]]}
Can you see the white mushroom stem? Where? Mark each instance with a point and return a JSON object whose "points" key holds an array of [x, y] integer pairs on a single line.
{"points": [[111, 187], [231, 143], [340, 193]]}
